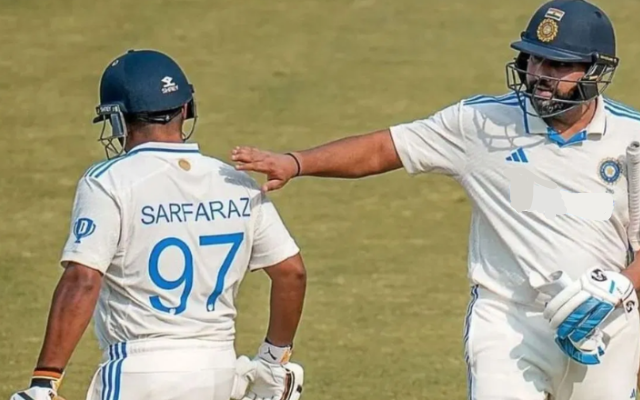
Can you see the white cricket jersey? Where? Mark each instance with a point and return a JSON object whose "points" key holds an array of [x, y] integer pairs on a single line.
{"points": [[173, 231], [479, 140]]}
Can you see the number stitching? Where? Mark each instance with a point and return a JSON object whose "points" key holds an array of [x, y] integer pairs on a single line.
{"points": [[234, 239], [158, 280]]}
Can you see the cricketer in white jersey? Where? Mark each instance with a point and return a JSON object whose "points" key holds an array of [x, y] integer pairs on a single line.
{"points": [[189, 228], [553, 313], [160, 241], [156, 222]]}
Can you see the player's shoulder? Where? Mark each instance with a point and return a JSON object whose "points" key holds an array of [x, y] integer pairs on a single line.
{"points": [[101, 169], [98, 169], [117, 173], [94, 176], [502, 109], [487, 102], [229, 175], [622, 113]]}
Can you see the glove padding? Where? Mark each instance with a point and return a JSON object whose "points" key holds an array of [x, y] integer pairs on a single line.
{"points": [[36, 393], [258, 379], [587, 352], [581, 311], [44, 386]]}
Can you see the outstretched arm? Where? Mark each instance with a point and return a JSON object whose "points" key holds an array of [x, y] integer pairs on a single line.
{"points": [[434, 144], [351, 157]]}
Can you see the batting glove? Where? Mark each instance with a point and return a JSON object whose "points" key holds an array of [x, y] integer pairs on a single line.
{"points": [[587, 352], [269, 376], [44, 386], [580, 310]]}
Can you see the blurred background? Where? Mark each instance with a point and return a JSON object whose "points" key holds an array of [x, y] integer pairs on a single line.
{"points": [[386, 256]]}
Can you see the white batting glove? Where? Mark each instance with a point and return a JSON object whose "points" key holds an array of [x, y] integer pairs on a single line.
{"points": [[581, 313], [44, 386], [36, 393], [269, 376]]}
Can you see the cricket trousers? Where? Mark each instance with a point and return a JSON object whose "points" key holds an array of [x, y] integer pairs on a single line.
{"points": [[159, 369], [511, 355]]}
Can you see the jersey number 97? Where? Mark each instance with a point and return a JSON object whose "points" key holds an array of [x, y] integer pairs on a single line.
{"points": [[185, 280]]}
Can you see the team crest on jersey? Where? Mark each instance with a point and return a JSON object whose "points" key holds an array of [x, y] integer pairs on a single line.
{"points": [[610, 170], [184, 164]]}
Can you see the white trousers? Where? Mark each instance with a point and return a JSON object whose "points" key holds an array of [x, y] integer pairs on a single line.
{"points": [[511, 355], [165, 370]]}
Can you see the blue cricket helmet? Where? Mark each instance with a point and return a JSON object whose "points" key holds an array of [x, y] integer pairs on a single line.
{"points": [[142, 85], [569, 31]]}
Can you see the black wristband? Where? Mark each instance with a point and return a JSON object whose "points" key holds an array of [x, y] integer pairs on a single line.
{"points": [[266, 340], [47, 383], [297, 163]]}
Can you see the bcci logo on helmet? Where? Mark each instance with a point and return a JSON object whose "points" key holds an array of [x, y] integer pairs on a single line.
{"points": [[82, 228], [547, 30]]}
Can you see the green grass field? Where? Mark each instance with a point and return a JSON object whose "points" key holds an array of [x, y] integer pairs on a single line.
{"points": [[386, 256]]}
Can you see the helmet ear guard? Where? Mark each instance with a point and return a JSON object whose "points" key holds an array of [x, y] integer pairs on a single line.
{"points": [[192, 113], [516, 74], [191, 106], [114, 143], [598, 76], [521, 65]]}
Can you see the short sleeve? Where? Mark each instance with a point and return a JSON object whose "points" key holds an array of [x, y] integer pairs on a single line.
{"points": [[272, 242], [95, 227], [434, 144]]}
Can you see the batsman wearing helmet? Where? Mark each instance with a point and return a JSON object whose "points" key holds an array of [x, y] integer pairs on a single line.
{"points": [[160, 240], [553, 310]]}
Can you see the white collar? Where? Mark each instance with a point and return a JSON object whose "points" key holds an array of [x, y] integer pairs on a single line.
{"points": [[165, 147]]}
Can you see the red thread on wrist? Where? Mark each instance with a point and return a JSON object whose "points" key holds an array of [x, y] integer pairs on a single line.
{"points": [[48, 373]]}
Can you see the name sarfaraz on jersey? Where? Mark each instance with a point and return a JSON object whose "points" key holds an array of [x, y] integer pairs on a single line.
{"points": [[195, 212]]}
